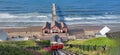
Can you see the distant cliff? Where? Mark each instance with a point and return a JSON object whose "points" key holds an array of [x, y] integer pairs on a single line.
{"points": [[115, 35]]}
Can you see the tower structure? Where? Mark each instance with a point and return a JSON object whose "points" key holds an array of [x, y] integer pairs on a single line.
{"points": [[54, 18]]}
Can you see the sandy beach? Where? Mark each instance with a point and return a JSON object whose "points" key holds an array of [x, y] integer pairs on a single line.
{"points": [[75, 27], [114, 26]]}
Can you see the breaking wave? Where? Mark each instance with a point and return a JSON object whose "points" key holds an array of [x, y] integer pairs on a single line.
{"points": [[26, 15], [37, 19], [93, 17]]}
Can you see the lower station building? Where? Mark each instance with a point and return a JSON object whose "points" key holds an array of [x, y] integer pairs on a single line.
{"points": [[54, 28]]}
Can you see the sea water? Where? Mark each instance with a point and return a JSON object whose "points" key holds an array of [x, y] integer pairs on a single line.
{"points": [[37, 12]]}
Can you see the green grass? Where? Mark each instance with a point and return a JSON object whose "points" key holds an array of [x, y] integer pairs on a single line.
{"points": [[100, 41], [43, 42], [111, 46], [43, 52], [19, 47], [19, 43], [77, 42], [25, 43]]}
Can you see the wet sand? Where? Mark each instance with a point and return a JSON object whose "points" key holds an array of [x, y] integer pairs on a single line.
{"points": [[75, 27]]}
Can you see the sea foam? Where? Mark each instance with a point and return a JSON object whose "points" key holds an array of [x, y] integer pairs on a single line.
{"points": [[92, 17], [25, 15]]}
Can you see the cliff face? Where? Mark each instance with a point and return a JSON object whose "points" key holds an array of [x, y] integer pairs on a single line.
{"points": [[115, 35]]}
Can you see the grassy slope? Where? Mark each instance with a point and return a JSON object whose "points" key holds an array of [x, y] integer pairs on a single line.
{"points": [[77, 42], [101, 41], [10, 50], [9, 47], [18, 43]]}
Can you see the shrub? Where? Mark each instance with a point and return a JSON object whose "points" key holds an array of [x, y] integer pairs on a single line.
{"points": [[10, 50]]}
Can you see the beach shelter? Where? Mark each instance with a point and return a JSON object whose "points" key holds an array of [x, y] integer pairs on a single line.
{"points": [[103, 31]]}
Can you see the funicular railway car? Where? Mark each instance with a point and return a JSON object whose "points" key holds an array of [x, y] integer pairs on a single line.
{"points": [[54, 46], [60, 46], [56, 43]]}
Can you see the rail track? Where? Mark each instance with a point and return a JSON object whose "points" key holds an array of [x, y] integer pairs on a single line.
{"points": [[62, 52], [55, 52]]}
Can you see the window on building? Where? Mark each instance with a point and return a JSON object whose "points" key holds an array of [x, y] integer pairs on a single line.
{"points": [[63, 31], [46, 31]]}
